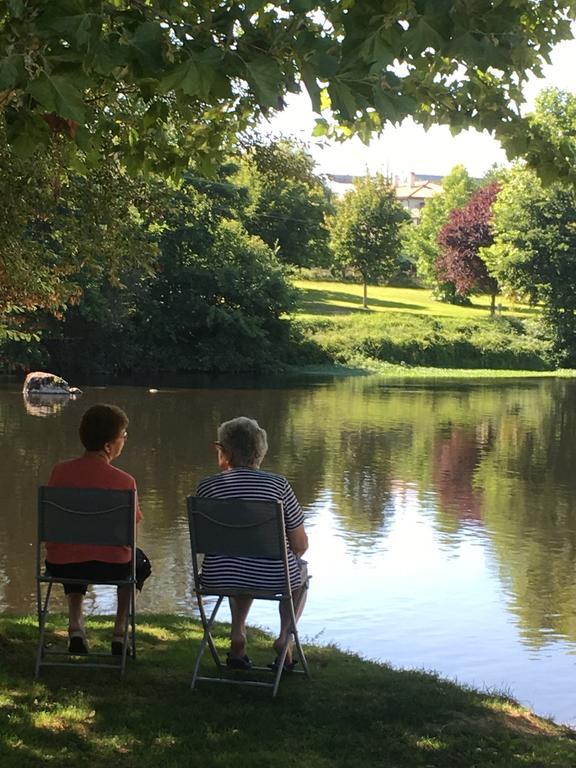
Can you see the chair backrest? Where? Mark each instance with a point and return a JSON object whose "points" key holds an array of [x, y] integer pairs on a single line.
{"points": [[236, 527], [96, 516]]}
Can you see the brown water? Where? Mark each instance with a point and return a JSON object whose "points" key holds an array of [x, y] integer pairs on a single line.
{"points": [[442, 515]]}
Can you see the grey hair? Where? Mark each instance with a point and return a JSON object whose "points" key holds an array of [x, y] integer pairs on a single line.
{"points": [[244, 442]]}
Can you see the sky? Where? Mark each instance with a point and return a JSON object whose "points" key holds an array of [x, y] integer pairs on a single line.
{"points": [[402, 149]]}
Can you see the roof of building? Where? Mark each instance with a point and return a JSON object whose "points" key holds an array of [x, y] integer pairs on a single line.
{"points": [[422, 191]]}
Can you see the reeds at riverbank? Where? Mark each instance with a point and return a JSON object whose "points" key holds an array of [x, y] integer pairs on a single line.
{"points": [[353, 713]]}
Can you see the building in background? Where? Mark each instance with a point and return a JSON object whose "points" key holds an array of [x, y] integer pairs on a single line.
{"points": [[413, 192]]}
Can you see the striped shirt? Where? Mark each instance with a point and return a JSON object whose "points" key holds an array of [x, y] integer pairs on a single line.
{"points": [[220, 571]]}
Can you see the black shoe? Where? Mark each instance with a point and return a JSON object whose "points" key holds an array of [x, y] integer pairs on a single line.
{"points": [[77, 644], [117, 645], [288, 666], [238, 662]]}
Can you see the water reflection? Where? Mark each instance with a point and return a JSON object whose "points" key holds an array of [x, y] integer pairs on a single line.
{"points": [[442, 517], [45, 405]]}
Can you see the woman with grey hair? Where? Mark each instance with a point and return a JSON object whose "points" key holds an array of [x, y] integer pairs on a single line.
{"points": [[241, 447]]}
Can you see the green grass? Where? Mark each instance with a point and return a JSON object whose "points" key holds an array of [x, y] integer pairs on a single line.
{"points": [[406, 327], [353, 713], [331, 298]]}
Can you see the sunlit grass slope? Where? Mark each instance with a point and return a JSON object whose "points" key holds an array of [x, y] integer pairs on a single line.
{"points": [[353, 713], [407, 327], [331, 298]]}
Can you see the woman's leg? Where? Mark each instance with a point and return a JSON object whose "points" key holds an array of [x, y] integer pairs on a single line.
{"points": [[143, 571], [299, 595], [75, 616], [124, 595], [239, 608]]}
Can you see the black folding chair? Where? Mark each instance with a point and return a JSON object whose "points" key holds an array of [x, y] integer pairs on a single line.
{"points": [[84, 516], [240, 528]]}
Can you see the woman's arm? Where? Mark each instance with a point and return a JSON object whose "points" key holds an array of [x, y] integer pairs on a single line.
{"points": [[298, 540]]}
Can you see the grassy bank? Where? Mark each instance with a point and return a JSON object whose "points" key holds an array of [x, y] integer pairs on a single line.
{"points": [[352, 713], [407, 327]]}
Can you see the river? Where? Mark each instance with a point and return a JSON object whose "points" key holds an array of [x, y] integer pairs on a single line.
{"points": [[441, 513]]}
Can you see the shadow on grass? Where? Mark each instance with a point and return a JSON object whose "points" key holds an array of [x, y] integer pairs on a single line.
{"points": [[318, 301], [352, 713]]}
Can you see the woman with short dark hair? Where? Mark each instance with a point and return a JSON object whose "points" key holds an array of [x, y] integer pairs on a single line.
{"points": [[241, 447], [103, 435]]}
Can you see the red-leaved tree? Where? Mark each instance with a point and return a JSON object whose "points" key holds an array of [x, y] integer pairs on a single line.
{"points": [[460, 239]]}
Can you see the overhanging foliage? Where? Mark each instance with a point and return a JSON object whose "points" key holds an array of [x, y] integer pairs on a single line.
{"points": [[117, 75]]}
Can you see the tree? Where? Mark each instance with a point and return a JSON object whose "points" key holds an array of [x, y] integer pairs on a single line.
{"points": [[287, 202], [534, 253], [215, 299], [365, 230], [55, 225], [117, 75], [461, 239], [420, 242]]}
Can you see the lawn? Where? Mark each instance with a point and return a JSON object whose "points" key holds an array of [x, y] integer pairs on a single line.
{"points": [[332, 298], [406, 327], [353, 712]]}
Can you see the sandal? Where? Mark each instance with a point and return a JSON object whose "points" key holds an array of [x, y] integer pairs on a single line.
{"points": [[238, 662], [288, 666], [117, 645], [77, 644]]}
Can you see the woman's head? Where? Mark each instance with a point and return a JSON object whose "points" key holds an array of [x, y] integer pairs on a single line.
{"points": [[103, 428], [243, 442]]}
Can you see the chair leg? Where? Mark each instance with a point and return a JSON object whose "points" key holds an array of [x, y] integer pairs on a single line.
{"points": [[205, 622], [133, 622], [42, 616], [206, 638], [294, 611]]}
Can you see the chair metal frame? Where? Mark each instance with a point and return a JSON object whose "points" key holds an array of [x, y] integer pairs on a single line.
{"points": [[240, 528], [95, 516]]}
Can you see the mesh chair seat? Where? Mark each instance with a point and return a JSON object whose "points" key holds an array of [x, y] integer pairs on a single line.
{"points": [[85, 516], [240, 528]]}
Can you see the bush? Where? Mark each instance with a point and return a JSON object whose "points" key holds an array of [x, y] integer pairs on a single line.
{"points": [[417, 340]]}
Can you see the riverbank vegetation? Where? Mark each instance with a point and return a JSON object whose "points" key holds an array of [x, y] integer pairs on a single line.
{"points": [[406, 326], [117, 275], [353, 712]]}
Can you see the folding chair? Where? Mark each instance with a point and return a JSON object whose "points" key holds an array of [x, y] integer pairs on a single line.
{"points": [[84, 516], [240, 528]]}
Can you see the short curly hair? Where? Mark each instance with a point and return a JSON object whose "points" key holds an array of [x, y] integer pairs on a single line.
{"points": [[244, 442], [101, 424]]}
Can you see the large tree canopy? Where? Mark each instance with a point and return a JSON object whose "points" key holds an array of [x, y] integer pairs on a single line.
{"points": [[117, 74], [461, 239], [286, 202], [365, 230]]}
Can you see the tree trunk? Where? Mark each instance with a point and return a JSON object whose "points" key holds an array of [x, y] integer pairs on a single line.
{"points": [[365, 300], [492, 305]]}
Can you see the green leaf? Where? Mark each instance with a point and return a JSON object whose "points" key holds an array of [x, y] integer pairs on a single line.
{"points": [[8, 75], [26, 134], [343, 100], [321, 128], [267, 79], [302, 6], [422, 35], [107, 57], [80, 30], [326, 65], [309, 78], [57, 94], [16, 8], [185, 78], [147, 43]]}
